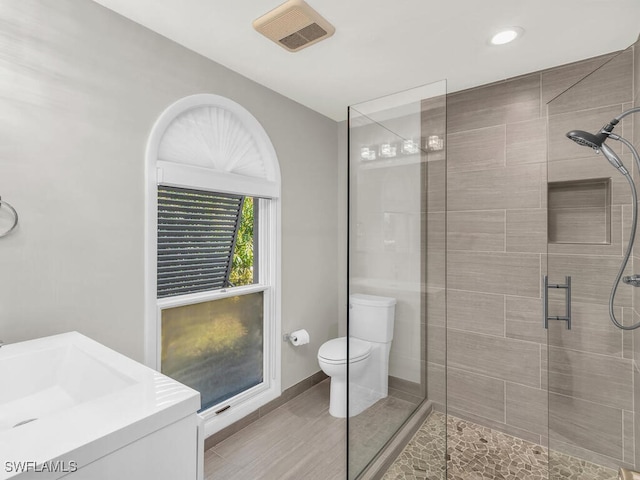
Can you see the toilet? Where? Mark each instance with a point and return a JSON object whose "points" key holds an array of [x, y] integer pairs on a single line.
{"points": [[371, 320]]}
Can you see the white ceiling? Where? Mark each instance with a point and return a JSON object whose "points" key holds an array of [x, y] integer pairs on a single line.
{"points": [[383, 46]]}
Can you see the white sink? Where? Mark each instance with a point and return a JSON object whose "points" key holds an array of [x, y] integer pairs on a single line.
{"points": [[67, 396], [40, 382]]}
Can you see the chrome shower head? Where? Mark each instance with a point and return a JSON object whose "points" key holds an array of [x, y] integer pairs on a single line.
{"points": [[596, 141], [587, 139]]}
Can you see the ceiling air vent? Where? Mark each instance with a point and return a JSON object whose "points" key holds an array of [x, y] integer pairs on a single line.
{"points": [[294, 25]]}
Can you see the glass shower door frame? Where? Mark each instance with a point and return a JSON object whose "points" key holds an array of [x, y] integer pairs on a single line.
{"points": [[396, 153], [590, 362]]}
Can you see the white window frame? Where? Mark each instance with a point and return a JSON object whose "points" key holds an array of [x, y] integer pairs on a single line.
{"points": [[267, 193]]}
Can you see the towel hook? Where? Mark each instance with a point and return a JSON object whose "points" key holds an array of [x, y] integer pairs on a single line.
{"points": [[15, 217]]}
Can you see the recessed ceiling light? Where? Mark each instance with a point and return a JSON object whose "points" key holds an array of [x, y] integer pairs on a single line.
{"points": [[506, 35]]}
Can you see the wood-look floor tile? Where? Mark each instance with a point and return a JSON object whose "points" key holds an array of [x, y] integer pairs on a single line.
{"points": [[300, 440]]}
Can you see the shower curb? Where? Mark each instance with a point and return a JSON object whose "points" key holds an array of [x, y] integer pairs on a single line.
{"points": [[381, 463]]}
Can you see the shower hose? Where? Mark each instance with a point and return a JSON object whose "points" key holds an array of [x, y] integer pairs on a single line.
{"points": [[632, 236]]}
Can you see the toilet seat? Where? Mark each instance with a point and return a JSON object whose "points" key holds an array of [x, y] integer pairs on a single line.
{"points": [[335, 351]]}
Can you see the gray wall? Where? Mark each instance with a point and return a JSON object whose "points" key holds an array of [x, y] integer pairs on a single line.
{"points": [[80, 88], [497, 241]]}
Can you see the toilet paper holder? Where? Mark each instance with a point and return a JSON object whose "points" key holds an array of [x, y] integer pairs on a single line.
{"points": [[297, 337]]}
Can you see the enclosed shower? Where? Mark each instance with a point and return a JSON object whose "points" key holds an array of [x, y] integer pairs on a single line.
{"points": [[510, 251]]}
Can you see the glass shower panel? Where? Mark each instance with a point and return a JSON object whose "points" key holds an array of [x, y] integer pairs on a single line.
{"points": [[397, 179], [592, 365]]}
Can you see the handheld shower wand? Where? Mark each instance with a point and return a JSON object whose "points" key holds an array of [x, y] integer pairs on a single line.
{"points": [[597, 142]]}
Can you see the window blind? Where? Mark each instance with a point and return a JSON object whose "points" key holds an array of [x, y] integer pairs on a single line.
{"points": [[197, 231]]}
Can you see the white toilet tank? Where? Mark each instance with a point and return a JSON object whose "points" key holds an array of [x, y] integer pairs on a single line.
{"points": [[371, 317]]}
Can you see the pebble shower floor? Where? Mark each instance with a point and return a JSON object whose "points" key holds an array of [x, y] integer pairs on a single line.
{"points": [[480, 453]]}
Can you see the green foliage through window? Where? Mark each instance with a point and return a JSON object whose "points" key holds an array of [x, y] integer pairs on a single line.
{"points": [[242, 269]]}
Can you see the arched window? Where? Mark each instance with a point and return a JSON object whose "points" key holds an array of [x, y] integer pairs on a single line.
{"points": [[213, 256]]}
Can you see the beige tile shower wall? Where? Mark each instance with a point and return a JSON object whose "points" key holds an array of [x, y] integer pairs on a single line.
{"points": [[636, 261], [495, 174], [590, 367], [497, 254]]}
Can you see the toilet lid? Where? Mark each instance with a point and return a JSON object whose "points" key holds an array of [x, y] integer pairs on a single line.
{"points": [[335, 351]]}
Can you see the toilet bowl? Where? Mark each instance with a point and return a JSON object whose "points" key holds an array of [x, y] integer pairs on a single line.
{"points": [[332, 358], [371, 321]]}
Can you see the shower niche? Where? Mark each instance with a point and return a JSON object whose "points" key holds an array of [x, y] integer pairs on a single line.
{"points": [[591, 370], [579, 212]]}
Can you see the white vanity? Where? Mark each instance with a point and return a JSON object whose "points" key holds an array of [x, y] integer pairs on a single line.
{"points": [[72, 408]]}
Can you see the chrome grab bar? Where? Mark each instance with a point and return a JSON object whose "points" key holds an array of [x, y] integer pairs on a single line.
{"points": [[545, 297]]}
